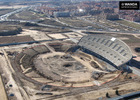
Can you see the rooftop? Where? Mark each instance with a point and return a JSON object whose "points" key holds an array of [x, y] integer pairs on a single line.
{"points": [[112, 49]]}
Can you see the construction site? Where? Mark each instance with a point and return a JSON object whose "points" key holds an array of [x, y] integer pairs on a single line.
{"points": [[61, 70], [61, 59]]}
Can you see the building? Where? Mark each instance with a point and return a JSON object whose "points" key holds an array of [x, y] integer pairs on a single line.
{"points": [[62, 14], [109, 49], [112, 16]]}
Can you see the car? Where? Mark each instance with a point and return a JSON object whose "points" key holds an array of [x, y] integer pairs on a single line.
{"points": [[137, 49]]}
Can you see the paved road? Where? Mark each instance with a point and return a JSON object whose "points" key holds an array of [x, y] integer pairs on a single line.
{"points": [[73, 28], [112, 32], [4, 17]]}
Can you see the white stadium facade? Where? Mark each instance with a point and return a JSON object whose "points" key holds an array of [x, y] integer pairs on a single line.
{"points": [[111, 50]]}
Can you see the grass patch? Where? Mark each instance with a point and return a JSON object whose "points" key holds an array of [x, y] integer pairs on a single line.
{"points": [[25, 15], [130, 24], [77, 22], [131, 38]]}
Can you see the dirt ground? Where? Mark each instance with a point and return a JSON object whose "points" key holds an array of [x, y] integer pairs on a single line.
{"points": [[15, 39], [33, 75], [95, 95], [3, 94], [36, 35], [8, 74], [28, 84], [57, 36], [73, 34], [72, 76]]}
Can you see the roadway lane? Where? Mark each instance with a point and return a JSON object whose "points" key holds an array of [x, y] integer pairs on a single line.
{"points": [[4, 17]]}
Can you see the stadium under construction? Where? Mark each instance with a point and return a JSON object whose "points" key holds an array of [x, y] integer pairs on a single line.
{"points": [[66, 67], [107, 48]]}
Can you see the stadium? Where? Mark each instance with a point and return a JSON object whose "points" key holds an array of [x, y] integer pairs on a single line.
{"points": [[67, 64], [110, 49]]}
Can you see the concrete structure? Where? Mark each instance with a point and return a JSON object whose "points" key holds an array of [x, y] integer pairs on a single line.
{"points": [[62, 14], [107, 48], [112, 16]]}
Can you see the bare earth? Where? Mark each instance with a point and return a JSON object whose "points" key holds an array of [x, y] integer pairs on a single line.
{"points": [[2, 91], [36, 35]]}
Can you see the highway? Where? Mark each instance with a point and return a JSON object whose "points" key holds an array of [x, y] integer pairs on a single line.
{"points": [[4, 17], [106, 29], [32, 22]]}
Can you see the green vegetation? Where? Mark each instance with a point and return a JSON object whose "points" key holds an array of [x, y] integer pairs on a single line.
{"points": [[131, 38], [128, 23], [25, 15], [77, 22]]}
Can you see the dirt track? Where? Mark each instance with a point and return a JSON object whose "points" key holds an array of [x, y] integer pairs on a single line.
{"points": [[3, 94]]}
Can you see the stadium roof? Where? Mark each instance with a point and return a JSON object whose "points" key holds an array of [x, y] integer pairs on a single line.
{"points": [[110, 48]]}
